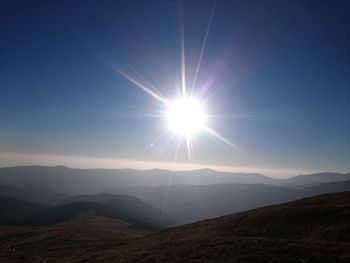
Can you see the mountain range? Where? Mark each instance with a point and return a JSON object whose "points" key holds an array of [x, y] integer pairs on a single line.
{"points": [[153, 205], [94, 181]]}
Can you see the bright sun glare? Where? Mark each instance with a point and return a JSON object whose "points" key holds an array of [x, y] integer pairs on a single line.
{"points": [[186, 116]]}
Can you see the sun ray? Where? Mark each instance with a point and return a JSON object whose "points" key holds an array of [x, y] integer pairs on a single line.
{"points": [[139, 115], [188, 146], [170, 178], [182, 51], [203, 47], [219, 144], [149, 89], [144, 88], [166, 143], [218, 136]]}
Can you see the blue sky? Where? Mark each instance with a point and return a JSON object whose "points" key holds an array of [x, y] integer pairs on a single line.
{"points": [[277, 73]]}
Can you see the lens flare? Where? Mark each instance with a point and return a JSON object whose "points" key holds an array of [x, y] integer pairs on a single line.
{"points": [[185, 116]]}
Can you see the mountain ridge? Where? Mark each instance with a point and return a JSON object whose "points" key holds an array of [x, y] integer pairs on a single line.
{"points": [[92, 181]]}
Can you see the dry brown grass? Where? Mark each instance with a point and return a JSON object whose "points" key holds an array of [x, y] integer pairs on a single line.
{"points": [[66, 242]]}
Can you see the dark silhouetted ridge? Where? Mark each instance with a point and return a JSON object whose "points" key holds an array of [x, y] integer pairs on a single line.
{"points": [[12, 209], [127, 208]]}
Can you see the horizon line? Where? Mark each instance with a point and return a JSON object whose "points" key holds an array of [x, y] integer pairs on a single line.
{"points": [[160, 169], [11, 159]]}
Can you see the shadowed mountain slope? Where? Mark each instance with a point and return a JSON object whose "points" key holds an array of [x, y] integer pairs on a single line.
{"points": [[317, 178], [99, 198], [191, 203], [332, 187], [131, 204], [17, 210], [33, 193], [126, 208]]}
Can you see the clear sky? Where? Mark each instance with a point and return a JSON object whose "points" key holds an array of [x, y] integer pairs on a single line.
{"points": [[275, 74]]}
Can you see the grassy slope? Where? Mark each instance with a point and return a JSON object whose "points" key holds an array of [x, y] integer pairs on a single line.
{"points": [[65, 242], [313, 229]]}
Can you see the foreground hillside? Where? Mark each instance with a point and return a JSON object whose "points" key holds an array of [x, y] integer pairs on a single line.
{"points": [[315, 229], [69, 241]]}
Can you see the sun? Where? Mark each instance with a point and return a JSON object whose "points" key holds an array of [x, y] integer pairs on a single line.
{"points": [[186, 116]]}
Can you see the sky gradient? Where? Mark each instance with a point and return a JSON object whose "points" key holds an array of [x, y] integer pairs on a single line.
{"points": [[275, 74]]}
